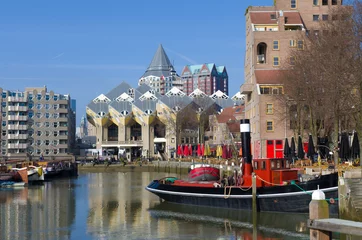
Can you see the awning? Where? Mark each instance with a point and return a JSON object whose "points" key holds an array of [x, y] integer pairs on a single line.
{"points": [[159, 140]]}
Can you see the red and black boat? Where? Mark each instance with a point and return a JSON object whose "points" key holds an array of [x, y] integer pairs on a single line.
{"points": [[278, 186]]}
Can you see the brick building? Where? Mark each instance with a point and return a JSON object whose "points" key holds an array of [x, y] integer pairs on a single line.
{"points": [[271, 32]]}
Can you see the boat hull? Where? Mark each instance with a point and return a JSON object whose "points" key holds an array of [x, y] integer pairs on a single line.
{"points": [[289, 198]]}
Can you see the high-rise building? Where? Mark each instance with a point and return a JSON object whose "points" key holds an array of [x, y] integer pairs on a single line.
{"points": [[160, 74], [36, 122], [207, 77], [271, 32]]}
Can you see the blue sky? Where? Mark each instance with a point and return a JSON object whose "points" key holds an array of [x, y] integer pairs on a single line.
{"points": [[85, 48]]}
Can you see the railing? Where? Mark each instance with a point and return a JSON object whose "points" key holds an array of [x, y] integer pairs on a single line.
{"points": [[18, 118], [18, 136], [17, 99], [17, 127], [133, 142], [17, 145], [261, 58], [18, 108]]}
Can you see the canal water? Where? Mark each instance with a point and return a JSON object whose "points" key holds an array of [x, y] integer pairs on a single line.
{"points": [[117, 206]]}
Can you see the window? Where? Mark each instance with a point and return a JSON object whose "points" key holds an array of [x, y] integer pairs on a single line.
{"points": [[38, 124], [4, 123], [38, 96], [324, 2], [38, 151], [293, 3], [55, 97], [47, 106], [275, 61], [46, 124], [47, 97], [38, 115], [55, 151], [300, 44], [275, 45], [55, 106], [55, 124], [3, 104], [47, 142], [325, 17], [315, 18], [55, 133], [273, 17], [55, 142], [315, 2], [56, 115], [334, 2], [292, 60], [292, 43], [47, 133], [4, 95], [38, 133], [275, 90], [39, 106], [47, 151], [30, 105], [269, 126], [38, 142], [47, 115], [269, 108]]}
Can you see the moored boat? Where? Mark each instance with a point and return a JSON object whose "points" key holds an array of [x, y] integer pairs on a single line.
{"points": [[277, 185]]}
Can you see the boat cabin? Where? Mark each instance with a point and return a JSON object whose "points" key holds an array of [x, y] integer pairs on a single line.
{"points": [[273, 171]]}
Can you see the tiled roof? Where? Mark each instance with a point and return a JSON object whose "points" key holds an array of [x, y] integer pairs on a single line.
{"points": [[269, 76], [262, 18], [227, 116], [265, 18], [293, 18]]}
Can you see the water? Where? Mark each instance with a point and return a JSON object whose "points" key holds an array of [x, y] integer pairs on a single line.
{"points": [[116, 206]]}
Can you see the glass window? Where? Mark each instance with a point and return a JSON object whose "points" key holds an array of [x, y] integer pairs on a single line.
{"points": [[269, 126], [30, 114], [30, 105], [3, 123], [38, 142], [47, 115], [56, 115], [315, 2], [293, 3], [55, 124], [47, 97], [55, 97], [46, 124], [47, 106], [292, 43], [292, 61], [38, 115], [3, 104], [275, 45], [315, 17], [39, 106], [55, 133], [324, 2], [38, 96], [55, 142], [30, 132], [38, 133], [55, 151], [334, 2], [46, 151], [269, 108], [30, 96], [47, 133], [38, 124], [47, 142], [4, 95], [275, 61], [55, 106], [300, 44], [325, 17]]}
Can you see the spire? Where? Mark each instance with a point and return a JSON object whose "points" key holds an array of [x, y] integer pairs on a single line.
{"points": [[160, 64]]}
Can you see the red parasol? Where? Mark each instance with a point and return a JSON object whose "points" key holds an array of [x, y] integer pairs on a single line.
{"points": [[224, 152], [199, 153], [186, 150], [179, 150], [202, 150]]}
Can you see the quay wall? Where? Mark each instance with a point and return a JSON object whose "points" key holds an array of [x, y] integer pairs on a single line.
{"points": [[350, 195]]}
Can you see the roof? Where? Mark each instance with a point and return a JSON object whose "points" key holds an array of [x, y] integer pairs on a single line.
{"points": [[160, 64], [196, 69], [227, 116], [263, 18], [293, 18], [269, 76]]}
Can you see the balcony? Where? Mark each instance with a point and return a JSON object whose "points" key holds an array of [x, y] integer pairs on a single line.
{"points": [[246, 88], [18, 136], [132, 143], [261, 59], [17, 99], [18, 118], [17, 146], [17, 127], [18, 108]]}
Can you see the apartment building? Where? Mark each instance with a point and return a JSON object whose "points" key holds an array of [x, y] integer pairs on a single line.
{"points": [[36, 122], [271, 32], [207, 77]]}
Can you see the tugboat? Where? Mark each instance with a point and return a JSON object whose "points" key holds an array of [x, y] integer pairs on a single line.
{"points": [[278, 188]]}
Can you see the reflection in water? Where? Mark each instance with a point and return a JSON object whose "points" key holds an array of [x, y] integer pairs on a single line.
{"points": [[40, 212], [237, 223], [116, 206]]}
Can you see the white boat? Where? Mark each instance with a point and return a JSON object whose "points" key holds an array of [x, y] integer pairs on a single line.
{"points": [[35, 173]]}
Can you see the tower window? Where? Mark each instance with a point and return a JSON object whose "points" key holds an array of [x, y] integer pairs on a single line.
{"points": [[293, 3]]}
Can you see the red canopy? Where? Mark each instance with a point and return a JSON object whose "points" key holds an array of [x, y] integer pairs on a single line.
{"points": [[190, 150]]}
